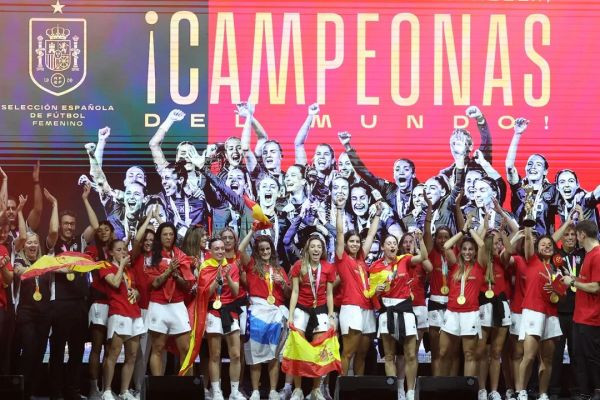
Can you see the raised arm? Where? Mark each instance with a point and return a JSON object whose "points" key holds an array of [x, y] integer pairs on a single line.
{"points": [[88, 233], [115, 280], [366, 247], [302, 134], [427, 236], [245, 258], [458, 215], [485, 143], [261, 136], [53, 228], [359, 166], [422, 254], [157, 154], [33, 219], [103, 135], [139, 235], [560, 232], [20, 241], [528, 247], [339, 227], [482, 257], [246, 110], [512, 176], [3, 190]]}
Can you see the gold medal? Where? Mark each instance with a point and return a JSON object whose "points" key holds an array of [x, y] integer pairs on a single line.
{"points": [[573, 289], [37, 296], [461, 300], [445, 290], [271, 299], [71, 276], [489, 294], [217, 304], [554, 298]]}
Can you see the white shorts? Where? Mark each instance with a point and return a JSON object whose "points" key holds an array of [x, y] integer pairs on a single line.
{"points": [[214, 324], [515, 323], [170, 319], [485, 314], [410, 322], [98, 314], [436, 317], [357, 318], [462, 323], [422, 316], [126, 327], [535, 323], [301, 320]]}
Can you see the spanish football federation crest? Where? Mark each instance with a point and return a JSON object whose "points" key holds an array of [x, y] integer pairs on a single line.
{"points": [[57, 53]]}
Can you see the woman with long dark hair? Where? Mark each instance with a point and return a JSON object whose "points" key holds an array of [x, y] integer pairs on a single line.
{"points": [[170, 280], [540, 326], [268, 288]]}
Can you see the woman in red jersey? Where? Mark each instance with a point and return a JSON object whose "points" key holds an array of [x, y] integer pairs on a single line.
{"points": [[539, 322], [170, 279], [462, 324], [311, 301], [397, 323], [125, 323], [494, 313], [357, 317], [268, 288]]}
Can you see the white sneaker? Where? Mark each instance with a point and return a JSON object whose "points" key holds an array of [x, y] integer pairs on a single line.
{"points": [[108, 395], [482, 394], [136, 393], [401, 394], [236, 395], [316, 395], [510, 394], [410, 395], [494, 396], [207, 394], [255, 395], [126, 396], [297, 394], [522, 395], [273, 395], [325, 392], [95, 394], [285, 393], [543, 396], [217, 394]]}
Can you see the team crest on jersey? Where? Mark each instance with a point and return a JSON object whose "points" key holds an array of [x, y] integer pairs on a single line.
{"points": [[57, 53]]}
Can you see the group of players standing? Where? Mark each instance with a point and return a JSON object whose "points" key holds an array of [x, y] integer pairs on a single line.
{"points": [[345, 250]]}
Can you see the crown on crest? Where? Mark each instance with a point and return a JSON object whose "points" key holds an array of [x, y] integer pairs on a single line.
{"points": [[58, 33]]}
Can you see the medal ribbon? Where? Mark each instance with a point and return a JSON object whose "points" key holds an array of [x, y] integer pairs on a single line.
{"points": [[463, 282], [269, 280], [444, 271], [314, 288]]}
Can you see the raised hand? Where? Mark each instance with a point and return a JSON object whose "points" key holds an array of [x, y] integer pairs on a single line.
{"points": [[344, 137], [86, 192], [474, 112], [176, 115], [49, 197], [340, 202], [313, 109], [103, 133], [521, 125], [22, 201], [2, 173], [36, 171], [478, 157]]}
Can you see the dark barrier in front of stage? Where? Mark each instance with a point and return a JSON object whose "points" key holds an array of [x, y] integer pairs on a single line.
{"points": [[173, 387], [447, 388], [11, 387], [366, 387]]}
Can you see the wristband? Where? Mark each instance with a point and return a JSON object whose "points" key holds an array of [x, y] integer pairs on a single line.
{"points": [[572, 284]]}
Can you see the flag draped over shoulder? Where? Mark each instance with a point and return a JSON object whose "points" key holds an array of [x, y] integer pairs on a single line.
{"points": [[74, 261], [197, 310], [379, 274], [311, 360], [266, 326], [262, 222]]}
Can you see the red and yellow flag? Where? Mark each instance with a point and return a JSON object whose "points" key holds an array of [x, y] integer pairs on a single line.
{"points": [[314, 359], [74, 261], [262, 222], [197, 311]]}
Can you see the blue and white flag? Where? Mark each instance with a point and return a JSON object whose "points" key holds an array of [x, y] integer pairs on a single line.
{"points": [[265, 330]]}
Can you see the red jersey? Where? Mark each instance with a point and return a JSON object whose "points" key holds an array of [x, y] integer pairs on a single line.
{"points": [[3, 298], [471, 291], [169, 292], [536, 298], [499, 285], [354, 281], [237, 261], [587, 305], [417, 284], [258, 285], [305, 294], [398, 276], [118, 303], [140, 268], [519, 271], [99, 287], [436, 277]]}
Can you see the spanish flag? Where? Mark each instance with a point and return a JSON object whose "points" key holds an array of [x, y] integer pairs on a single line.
{"points": [[311, 360], [74, 261], [197, 311], [262, 221], [379, 274]]}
